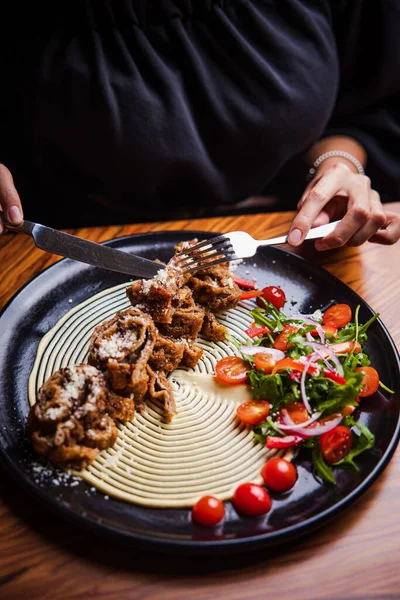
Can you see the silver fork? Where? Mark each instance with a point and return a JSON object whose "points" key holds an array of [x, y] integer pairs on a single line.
{"points": [[234, 245]]}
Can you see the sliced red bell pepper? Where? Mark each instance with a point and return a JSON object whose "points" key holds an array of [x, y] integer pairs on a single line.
{"points": [[250, 294], [247, 284], [283, 442], [334, 376], [254, 331]]}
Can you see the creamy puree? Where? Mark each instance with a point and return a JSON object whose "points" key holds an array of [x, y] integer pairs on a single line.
{"points": [[204, 450], [207, 385]]}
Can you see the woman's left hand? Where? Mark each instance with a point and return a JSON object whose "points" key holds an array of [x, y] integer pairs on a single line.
{"points": [[337, 192]]}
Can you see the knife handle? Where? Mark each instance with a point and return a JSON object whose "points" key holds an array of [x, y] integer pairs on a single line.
{"points": [[24, 227]]}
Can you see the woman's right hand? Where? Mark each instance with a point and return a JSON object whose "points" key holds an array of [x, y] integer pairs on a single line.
{"points": [[10, 202]]}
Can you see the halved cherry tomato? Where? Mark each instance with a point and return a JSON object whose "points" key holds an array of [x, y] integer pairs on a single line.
{"points": [[296, 411], [273, 294], [345, 412], [250, 294], [370, 382], [254, 331], [334, 376], [231, 370], [338, 315], [328, 328], [279, 474], [296, 365], [283, 442], [336, 443], [263, 360], [253, 412], [251, 499], [281, 340], [208, 511], [247, 284]]}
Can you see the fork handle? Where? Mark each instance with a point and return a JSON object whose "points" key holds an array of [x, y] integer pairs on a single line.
{"points": [[314, 233]]}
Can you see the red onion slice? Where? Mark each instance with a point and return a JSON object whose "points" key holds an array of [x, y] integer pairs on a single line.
{"points": [[311, 321], [310, 359], [289, 425], [322, 349], [252, 350], [319, 429]]}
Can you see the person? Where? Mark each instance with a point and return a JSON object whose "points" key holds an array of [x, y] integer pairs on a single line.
{"points": [[132, 110]]}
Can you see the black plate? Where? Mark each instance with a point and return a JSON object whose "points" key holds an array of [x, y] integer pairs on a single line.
{"points": [[309, 505]]}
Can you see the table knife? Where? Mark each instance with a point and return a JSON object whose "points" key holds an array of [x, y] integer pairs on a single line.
{"points": [[91, 253]]}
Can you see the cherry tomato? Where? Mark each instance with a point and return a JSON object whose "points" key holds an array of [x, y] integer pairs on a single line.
{"points": [[208, 511], [281, 340], [279, 474], [370, 383], [263, 360], [231, 370], [250, 294], [328, 328], [337, 315], [296, 365], [251, 499], [296, 411], [336, 443], [273, 294], [253, 412], [345, 412]]}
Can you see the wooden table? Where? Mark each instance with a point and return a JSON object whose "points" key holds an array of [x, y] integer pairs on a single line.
{"points": [[357, 556]]}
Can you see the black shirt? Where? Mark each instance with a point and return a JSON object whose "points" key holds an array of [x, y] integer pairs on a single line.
{"points": [[137, 109]]}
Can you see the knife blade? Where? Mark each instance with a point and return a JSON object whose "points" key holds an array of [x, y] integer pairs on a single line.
{"points": [[92, 253]]}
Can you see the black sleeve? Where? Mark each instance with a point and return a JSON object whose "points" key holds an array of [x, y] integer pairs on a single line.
{"points": [[368, 103]]}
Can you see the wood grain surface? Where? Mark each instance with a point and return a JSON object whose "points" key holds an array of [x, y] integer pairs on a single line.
{"points": [[356, 556]]}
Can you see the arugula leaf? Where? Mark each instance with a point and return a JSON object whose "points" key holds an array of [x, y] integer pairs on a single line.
{"points": [[383, 386], [269, 316], [278, 389], [231, 338], [364, 441], [322, 469], [262, 431], [329, 397]]}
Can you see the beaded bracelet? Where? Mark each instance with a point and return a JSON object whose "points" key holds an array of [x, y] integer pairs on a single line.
{"points": [[331, 153]]}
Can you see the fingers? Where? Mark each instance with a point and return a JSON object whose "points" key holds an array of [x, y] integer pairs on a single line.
{"points": [[10, 201], [356, 223], [375, 220], [390, 232], [315, 199], [342, 194]]}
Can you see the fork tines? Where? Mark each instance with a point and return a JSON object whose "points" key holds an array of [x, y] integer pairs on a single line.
{"points": [[205, 254]]}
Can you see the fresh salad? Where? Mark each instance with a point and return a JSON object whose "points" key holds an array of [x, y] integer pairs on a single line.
{"points": [[308, 375]]}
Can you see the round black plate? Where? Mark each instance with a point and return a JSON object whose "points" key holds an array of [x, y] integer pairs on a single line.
{"points": [[309, 505]]}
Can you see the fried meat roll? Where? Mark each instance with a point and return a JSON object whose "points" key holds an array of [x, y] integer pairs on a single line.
{"points": [[69, 424], [121, 347]]}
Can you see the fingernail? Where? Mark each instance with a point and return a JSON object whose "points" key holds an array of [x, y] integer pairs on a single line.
{"points": [[14, 215], [295, 236]]}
